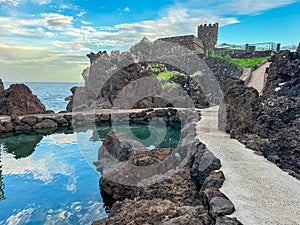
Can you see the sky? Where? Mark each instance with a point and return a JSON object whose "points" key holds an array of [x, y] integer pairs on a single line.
{"points": [[47, 40]]}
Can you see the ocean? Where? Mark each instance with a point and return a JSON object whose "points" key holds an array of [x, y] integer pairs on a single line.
{"points": [[51, 94]]}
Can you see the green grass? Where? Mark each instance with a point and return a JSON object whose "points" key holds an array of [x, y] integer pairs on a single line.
{"points": [[168, 74], [165, 75], [248, 63]]}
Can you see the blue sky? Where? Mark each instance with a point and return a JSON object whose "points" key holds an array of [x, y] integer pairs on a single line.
{"points": [[47, 40]]}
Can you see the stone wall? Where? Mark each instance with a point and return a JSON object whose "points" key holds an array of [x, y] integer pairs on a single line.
{"points": [[189, 41], [209, 35], [242, 54], [26, 124]]}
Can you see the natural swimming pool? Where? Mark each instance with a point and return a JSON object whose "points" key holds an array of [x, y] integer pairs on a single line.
{"points": [[50, 179]]}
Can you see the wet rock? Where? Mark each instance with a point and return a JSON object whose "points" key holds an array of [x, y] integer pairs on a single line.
{"points": [[19, 100]]}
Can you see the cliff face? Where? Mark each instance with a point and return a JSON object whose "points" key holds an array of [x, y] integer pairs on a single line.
{"points": [[271, 122], [19, 100]]}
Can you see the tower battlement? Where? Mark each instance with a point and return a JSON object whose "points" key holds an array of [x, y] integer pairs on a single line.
{"points": [[208, 33]]}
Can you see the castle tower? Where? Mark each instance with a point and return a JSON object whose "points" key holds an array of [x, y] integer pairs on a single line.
{"points": [[209, 35]]}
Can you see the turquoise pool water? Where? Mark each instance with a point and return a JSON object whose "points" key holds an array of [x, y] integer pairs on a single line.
{"points": [[50, 179]]}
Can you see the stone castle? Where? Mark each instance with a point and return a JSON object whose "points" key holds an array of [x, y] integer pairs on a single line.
{"points": [[206, 39]]}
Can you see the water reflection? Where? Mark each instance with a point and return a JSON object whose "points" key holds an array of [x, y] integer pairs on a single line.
{"points": [[48, 179], [2, 196]]}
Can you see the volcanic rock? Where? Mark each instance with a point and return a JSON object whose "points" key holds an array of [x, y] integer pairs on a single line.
{"points": [[19, 100]]}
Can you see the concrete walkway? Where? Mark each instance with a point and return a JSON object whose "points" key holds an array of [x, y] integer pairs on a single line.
{"points": [[257, 78], [262, 193]]}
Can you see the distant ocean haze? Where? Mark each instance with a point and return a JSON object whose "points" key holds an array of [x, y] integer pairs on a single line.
{"points": [[51, 94]]}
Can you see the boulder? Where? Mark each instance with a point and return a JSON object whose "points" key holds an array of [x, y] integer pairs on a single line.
{"points": [[120, 146], [214, 180], [61, 121], [155, 211], [45, 123], [219, 204], [204, 163], [19, 100], [30, 120], [223, 220]]}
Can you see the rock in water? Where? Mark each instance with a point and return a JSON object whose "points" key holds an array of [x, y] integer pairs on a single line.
{"points": [[19, 100]]}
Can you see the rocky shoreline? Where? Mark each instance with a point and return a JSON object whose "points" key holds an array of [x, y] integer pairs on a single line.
{"points": [[162, 186], [11, 125], [268, 123]]}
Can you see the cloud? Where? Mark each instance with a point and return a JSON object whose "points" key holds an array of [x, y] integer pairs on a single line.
{"points": [[127, 9], [57, 20], [41, 2], [11, 2], [81, 14], [236, 7]]}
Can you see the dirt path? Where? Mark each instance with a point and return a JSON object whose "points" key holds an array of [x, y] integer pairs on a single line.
{"points": [[262, 193], [257, 77]]}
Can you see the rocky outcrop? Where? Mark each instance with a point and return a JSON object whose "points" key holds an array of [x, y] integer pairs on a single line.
{"points": [[1, 86], [19, 100], [240, 107], [142, 49], [222, 69], [161, 186], [269, 123], [129, 79]]}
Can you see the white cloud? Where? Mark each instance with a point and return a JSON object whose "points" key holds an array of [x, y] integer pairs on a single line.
{"points": [[81, 14], [41, 2], [127, 9], [236, 7], [57, 20], [11, 2]]}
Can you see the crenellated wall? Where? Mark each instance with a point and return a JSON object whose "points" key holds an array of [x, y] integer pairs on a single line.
{"points": [[209, 35]]}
